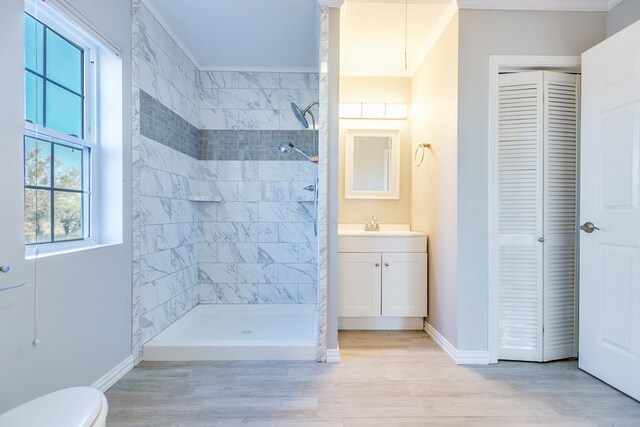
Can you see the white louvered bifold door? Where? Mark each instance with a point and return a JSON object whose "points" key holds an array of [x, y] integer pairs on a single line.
{"points": [[560, 201], [537, 177], [520, 180]]}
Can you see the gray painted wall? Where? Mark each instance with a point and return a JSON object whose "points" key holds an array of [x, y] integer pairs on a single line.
{"points": [[84, 298], [485, 33], [623, 15]]}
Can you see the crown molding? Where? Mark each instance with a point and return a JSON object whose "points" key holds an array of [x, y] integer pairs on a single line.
{"points": [[257, 69], [182, 45], [547, 5], [614, 3], [375, 72], [441, 26], [330, 3]]}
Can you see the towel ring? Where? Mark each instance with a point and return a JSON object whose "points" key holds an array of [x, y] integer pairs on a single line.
{"points": [[418, 155]]}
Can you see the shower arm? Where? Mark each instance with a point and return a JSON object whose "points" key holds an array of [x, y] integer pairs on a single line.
{"points": [[309, 107], [313, 159], [302, 153]]}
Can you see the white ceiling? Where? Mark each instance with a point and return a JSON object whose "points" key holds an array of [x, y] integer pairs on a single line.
{"points": [[372, 34], [282, 35], [257, 35]]}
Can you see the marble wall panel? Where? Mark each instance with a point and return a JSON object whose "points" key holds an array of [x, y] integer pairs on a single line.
{"points": [[166, 72], [259, 240], [254, 100]]}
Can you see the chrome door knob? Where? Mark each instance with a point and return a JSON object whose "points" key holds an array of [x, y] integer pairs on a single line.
{"points": [[588, 227]]}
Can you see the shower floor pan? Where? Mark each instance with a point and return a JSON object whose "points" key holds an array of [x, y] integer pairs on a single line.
{"points": [[238, 332]]}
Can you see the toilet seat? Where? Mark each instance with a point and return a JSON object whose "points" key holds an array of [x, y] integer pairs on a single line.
{"points": [[70, 407]]}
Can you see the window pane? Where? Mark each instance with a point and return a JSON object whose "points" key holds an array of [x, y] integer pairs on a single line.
{"points": [[67, 215], [67, 167], [37, 162], [64, 62], [63, 110], [33, 44], [33, 101], [37, 215]]}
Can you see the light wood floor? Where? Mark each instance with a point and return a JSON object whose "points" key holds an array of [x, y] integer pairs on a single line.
{"points": [[384, 379]]}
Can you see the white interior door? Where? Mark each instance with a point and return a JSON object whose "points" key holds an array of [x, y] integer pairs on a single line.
{"points": [[610, 199], [520, 185], [561, 100]]}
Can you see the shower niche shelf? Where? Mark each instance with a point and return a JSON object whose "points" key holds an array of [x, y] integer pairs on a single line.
{"points": [[204, 191], [199, 198]]}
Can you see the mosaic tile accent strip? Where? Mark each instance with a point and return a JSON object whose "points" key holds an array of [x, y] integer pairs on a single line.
{"points": [[161, 124], [222, 144]]}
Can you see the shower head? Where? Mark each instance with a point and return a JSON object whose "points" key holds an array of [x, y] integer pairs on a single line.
{"points": [[300, 115], [287, 146]]}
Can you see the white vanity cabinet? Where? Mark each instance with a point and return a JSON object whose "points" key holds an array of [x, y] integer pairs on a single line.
{"points": [[404, 284], [382, 280]]}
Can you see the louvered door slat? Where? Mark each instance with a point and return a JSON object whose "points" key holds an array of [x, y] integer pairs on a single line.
{"points": [[520, 216], [537, 172], [560, 197]]}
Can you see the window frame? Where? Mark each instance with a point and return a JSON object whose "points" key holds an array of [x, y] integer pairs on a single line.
{"points": [[67, 29]]}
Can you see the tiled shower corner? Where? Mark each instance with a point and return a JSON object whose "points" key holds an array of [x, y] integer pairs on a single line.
{"points": [[220, 214]]}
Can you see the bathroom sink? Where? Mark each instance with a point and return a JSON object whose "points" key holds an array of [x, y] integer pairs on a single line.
{"points": [[386, 230]]}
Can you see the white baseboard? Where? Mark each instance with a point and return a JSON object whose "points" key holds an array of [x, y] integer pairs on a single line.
{"points": [[333, 355], [459, 357], [380, 323], [105, 382]]}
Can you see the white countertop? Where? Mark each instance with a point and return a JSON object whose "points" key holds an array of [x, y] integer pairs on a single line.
{"points": [[386, 230]]}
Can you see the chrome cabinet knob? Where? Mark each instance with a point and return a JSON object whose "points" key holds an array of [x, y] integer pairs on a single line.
{"points": [[377, 264], [541, 239], [5, 268], [588, 227], [386, 264]]}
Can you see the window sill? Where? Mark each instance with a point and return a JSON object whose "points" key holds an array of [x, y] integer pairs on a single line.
{"points": [[49, 252]]}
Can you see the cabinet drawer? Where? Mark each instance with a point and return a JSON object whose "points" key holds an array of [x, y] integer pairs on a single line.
{"points": [[382, 243]]}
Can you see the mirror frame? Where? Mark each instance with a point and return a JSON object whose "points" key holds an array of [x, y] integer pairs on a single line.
{"points": [[394, 170]]}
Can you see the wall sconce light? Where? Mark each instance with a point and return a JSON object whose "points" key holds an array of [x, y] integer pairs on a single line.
{"points": [[374, 111]]}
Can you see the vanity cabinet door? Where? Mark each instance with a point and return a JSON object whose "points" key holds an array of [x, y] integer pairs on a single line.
{"points": [[360, 284], [404, 289]]}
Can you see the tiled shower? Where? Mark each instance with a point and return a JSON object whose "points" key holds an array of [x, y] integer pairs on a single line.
{"points": [[220, 215]]}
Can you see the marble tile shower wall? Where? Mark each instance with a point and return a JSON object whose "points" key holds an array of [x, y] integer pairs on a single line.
{"points": [[168, 236], [165, 275], [258, 246], [253, 100], [166, 72]]}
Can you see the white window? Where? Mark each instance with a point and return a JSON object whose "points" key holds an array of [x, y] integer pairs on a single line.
{"points": [[60, 147]]}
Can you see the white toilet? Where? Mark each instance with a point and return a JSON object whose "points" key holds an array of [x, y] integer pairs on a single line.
{"points": [[71, 407]]}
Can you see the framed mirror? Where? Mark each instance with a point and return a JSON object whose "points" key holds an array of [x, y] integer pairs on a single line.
{"points": [[372, 164]]}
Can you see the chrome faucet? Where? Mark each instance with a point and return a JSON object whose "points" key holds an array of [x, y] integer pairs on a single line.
{"points": [[372, 225]]}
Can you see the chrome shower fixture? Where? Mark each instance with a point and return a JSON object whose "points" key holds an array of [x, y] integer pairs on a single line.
{"points": [[287, 146], [301, 114]]}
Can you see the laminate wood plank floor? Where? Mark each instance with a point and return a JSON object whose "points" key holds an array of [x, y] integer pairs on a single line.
{"points": [[385, 379]]}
